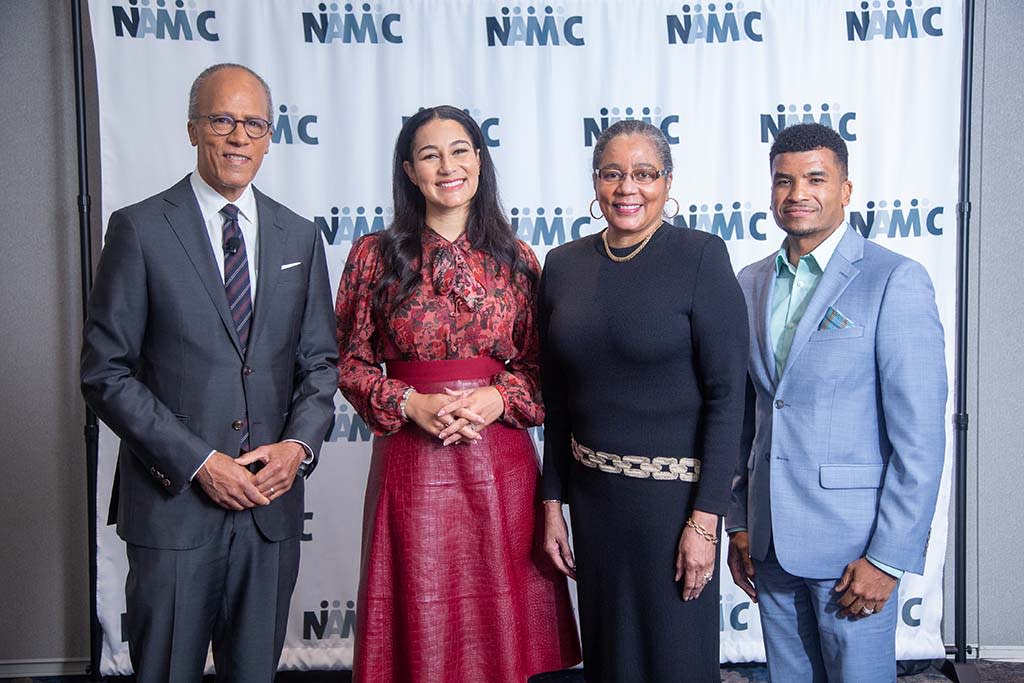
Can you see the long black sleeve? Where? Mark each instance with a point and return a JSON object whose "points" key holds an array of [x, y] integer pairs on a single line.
{"points": [[721, 343], [557, 426]]}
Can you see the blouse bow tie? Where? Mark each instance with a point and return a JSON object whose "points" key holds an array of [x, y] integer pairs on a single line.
{"points": [[452, 274]]}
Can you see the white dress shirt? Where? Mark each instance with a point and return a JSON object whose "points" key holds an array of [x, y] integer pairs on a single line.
{"points": [[210, 204]]}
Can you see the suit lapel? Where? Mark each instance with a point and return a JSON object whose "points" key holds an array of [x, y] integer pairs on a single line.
{"points": [[272, 239], [838, 275], [767, 280], [186, 221]]}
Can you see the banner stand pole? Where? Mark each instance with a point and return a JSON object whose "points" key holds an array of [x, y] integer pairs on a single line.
{"points": [[959, 669], [91, 425]]}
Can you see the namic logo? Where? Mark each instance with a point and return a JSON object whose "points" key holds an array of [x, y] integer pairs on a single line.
{"points": [[828, 115], [351, 23], [488, 125], [898, 19], [330, 621], [291, 128], [714, 23], [730, 221], [164, 20], [541, 227], [346, 225], [539, 26], [734, 617], [907, 612], [593, 127], [893, 219], [347, 427]]}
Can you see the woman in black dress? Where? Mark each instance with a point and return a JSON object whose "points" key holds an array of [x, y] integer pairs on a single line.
{"points": [[643, 369]]}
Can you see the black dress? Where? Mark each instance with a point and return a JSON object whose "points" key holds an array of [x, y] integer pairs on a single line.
{"points": [[648, 358]]}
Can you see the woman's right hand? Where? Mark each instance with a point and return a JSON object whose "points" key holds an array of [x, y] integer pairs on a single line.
{"points": [[556, 539], [422, 410]]}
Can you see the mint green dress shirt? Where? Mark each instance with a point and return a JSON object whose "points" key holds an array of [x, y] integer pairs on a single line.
{"points": [[794, 287]]}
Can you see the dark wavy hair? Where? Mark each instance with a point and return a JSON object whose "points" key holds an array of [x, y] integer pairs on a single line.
{"points": [[487, 228]]}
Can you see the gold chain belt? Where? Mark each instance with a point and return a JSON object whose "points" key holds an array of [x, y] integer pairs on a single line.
{"points": [[637, 466]]}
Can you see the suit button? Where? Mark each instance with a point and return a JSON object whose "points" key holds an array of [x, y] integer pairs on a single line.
{"points": [[780, 404], [237, 425], [246, 371]]}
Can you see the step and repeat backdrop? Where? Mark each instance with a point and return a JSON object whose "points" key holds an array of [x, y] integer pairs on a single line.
{"points": [[543, 79]]}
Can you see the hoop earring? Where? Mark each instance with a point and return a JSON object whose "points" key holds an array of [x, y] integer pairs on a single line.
{"points": [[597, 217], [674, 214]]}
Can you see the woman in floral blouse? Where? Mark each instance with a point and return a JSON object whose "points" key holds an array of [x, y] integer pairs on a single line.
{"points": [[452, 587]]}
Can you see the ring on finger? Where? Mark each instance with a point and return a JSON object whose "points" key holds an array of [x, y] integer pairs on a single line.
{"points": [[867, 611]]}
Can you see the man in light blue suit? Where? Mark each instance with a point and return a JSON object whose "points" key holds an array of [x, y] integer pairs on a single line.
{"points": [[835, 490]]}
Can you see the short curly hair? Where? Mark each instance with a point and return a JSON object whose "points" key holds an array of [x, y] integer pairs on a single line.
{"points": [[634, 127], [807, 137]]}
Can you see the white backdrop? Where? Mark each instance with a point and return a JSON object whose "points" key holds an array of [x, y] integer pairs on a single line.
{"points": [[719, 78]]}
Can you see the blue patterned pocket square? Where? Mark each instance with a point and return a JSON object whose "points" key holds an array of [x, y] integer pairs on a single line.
{"points": [[834, 320]]}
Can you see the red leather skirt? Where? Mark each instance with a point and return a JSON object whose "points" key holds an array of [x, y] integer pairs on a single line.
{"points": [[454, 586]]}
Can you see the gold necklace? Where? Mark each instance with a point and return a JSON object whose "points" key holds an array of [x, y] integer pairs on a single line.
{"points": [[631, 255]]}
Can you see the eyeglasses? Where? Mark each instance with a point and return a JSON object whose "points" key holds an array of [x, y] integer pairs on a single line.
{"points": [[222, 124], [640, 176]]}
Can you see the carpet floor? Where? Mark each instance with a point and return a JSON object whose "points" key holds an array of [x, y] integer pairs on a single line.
{"points": [[988, 672]]}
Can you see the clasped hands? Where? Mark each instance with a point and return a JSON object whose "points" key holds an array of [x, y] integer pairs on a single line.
{"points": [[456, 415], [229, 483]]}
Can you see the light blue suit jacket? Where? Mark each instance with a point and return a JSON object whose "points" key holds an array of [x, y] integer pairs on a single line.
{"points": [[846, 448]]}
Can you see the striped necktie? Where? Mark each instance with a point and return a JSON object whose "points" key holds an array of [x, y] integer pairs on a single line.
{"points": [[236, 286], [236, 275]]}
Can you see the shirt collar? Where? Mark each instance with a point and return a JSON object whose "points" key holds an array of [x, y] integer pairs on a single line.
{"points": [[211, 201], [820, 256]]}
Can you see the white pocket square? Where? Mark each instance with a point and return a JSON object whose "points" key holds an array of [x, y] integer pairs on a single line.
{"points": [[291, 265]]}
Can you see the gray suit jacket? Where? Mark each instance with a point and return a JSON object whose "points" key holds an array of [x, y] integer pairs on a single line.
{"points": [[162, 363], [847, 449]]}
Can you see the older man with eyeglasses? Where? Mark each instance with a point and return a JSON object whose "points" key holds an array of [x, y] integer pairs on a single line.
{"points": [[209, 350]]}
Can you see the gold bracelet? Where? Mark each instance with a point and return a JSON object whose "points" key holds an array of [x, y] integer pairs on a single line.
{"points": [[702, 532], [404, 402]]}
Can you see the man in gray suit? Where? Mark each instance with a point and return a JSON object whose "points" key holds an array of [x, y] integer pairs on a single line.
{"points": [[834, 495], [209, 350]]}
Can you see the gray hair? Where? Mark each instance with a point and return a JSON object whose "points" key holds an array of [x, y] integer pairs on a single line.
{"points": [[193, 95], [634, 127]]}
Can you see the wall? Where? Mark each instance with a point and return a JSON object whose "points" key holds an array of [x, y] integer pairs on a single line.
{"points": [[997, 393], [44, 584]]}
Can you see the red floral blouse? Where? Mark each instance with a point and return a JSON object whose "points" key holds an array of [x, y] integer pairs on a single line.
{"points": [[464, 307]]}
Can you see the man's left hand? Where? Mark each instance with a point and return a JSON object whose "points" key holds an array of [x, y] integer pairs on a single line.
{"points": [[863, 586], [281, 462]]}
